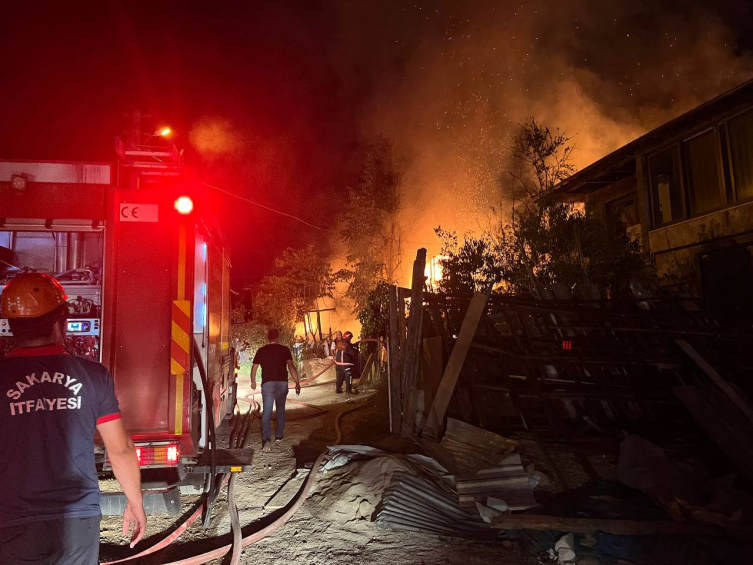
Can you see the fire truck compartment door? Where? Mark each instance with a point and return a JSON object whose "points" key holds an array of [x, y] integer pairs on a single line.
{"points": [[142, 320]]}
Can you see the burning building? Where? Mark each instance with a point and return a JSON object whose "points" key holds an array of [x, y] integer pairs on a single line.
{"points": [[685, 190]]}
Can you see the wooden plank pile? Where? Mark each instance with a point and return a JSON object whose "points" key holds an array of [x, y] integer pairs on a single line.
{"points": [[573, 375]]}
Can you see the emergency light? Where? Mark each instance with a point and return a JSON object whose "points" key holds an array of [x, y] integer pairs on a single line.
{"points": [[184, 205]]}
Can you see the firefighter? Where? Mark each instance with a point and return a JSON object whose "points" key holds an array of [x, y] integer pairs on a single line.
{"points": [[52, 403], [346, 360]]}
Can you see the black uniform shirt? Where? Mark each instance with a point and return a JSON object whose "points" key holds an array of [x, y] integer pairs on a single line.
{"points": [[50, 405]]}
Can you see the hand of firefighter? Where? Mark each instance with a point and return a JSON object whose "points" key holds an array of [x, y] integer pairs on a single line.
{"points": [[136, 516], [297, 389], [253, 384]]}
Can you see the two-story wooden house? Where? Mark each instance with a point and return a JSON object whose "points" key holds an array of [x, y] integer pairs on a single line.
{"points": [[686, 190]]}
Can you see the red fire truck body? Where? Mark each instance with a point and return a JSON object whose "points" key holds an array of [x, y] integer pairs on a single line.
{"points": [[148, 289]]}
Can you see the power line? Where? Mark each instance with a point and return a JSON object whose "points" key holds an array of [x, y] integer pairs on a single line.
{"points": [[296, 218]]}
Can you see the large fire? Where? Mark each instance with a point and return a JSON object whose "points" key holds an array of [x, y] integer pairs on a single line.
{"points": [[433, 270], [300, 329]]}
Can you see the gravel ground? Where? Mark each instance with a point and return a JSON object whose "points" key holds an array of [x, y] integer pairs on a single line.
{"points": [[308, 538]]}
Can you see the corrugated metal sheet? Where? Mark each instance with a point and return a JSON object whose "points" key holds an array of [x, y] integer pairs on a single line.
{"points": [[417, 504], [418, 494], [506, 481], [466, 449], [484, 465]]}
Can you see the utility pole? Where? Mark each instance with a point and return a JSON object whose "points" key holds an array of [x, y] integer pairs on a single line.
{"points": [[135, 116], [136, 127]]}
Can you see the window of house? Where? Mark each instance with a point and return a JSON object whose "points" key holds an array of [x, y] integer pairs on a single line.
{"points": [[666, 191], [702, 173], [741, 154]]}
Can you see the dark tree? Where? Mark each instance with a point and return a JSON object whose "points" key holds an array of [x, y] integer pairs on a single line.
{"points": [[302, 276], [370, 224], [544, 240]]}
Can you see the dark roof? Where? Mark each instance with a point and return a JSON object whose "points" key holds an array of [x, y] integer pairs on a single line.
{"points": [[621, 163]]}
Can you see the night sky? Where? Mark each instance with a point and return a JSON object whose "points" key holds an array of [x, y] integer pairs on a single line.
{"points": [[273, 100]]}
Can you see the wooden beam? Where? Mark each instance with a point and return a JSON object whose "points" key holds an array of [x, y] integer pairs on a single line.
{"points": [[720, 426], [586, 392], [608, 526], [431, 368], [719, 381], [366, 371], [435, 420], [587, 467], [393, 363], [412, 351], [319, 325], [402, 294]]}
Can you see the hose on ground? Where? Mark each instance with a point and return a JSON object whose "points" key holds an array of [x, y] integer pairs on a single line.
{"points": [[252, 538], [242, 424], [164, 542], [338, 433], [282, 520], [319, 374], [235, 522], [211, 487], [318, 411], [264, 532]]}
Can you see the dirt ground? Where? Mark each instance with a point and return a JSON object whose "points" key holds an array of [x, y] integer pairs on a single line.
{"points": [[311, 536]]}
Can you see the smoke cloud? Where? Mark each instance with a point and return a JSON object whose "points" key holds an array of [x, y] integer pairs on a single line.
{"points": [[451, 81], [214, 138]]}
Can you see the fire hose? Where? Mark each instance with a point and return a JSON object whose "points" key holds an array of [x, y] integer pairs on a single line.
{"points": [[175, 534], [211, 488], [312, 379], [235, 522], [238, 541], [242, 425], [320, 373]]}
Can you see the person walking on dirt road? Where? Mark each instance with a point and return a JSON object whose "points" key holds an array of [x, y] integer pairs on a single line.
{"points": [[52, 403], [275, 361]]}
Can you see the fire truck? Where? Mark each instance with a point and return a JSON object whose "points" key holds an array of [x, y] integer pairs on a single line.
{"points": [[147, 272]]}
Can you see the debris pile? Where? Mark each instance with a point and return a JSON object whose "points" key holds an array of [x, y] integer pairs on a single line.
{"points": [[687, 495], [472, 476], [402, 492], [489, 474], [475, 486], [563, 551], [577, 380]]}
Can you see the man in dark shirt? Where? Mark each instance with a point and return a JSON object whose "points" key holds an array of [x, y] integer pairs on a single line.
{"points": [[275, 361], [51, 406]]}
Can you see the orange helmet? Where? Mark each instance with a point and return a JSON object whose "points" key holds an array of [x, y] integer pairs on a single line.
{"points": [[30, 295]]}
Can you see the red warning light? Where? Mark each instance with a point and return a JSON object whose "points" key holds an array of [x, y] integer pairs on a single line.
{"points": [[184, 205], [567, 345]]}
